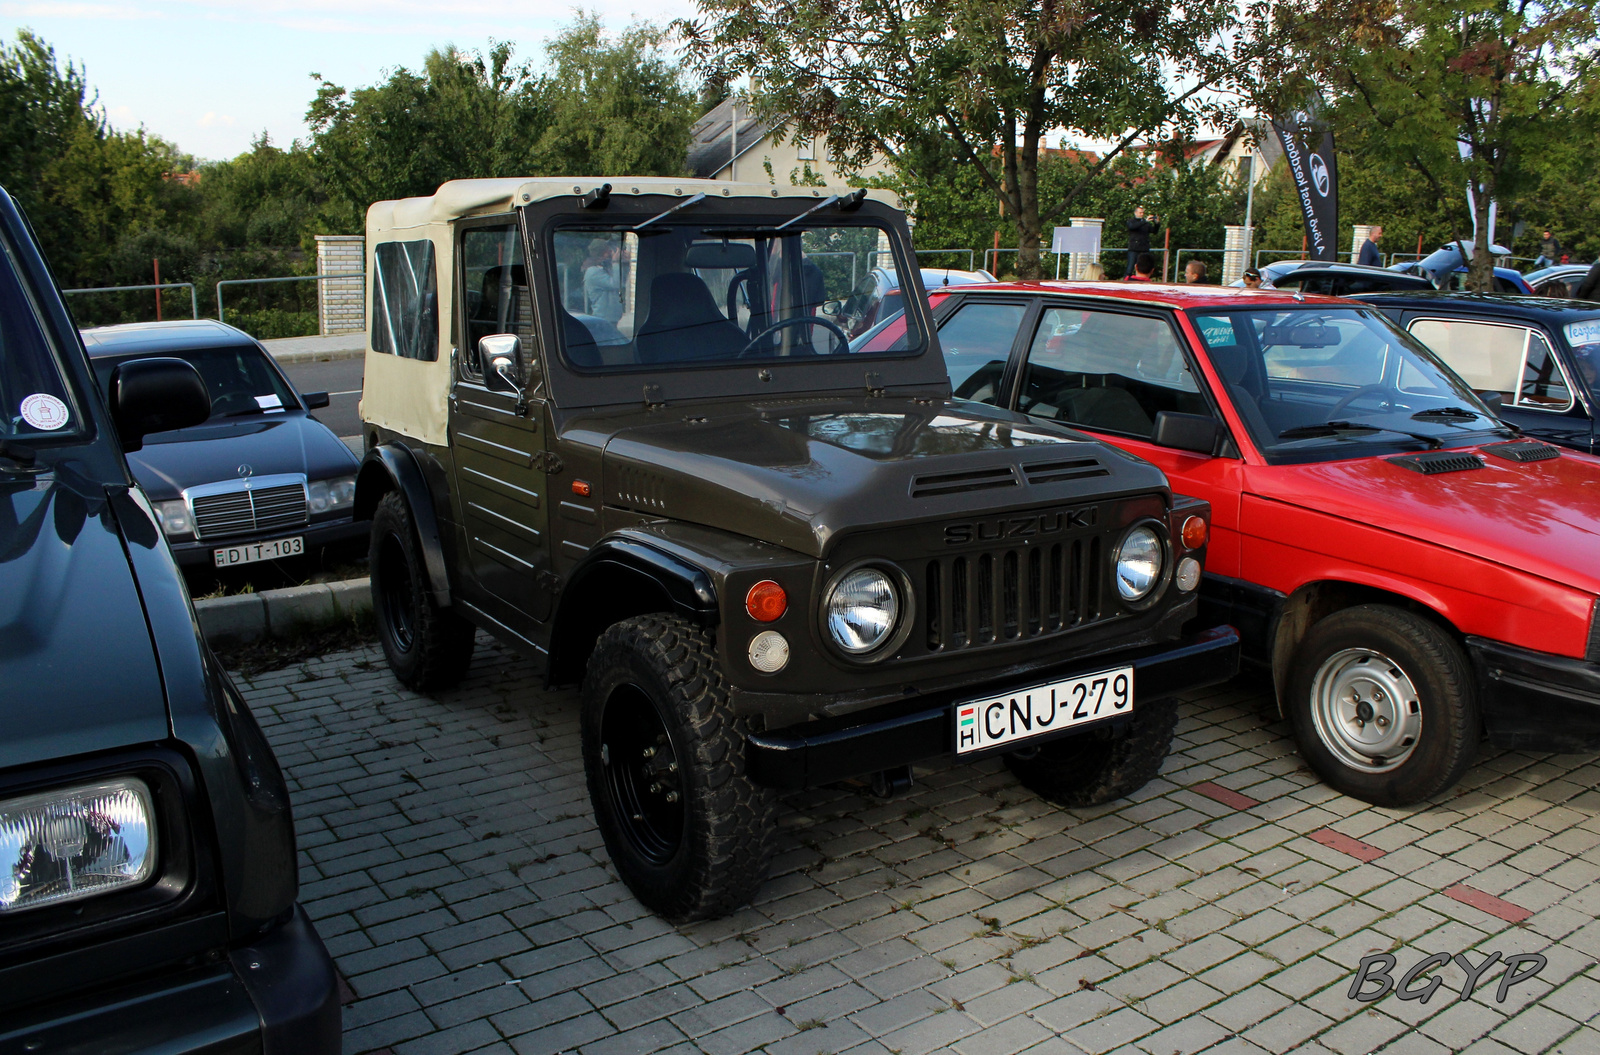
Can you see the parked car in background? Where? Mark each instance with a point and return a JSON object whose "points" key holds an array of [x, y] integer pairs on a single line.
{"points": [[148, 874], [260, 479], [1413, 574], [878, 295], [1334, 279], [1506, 279], [1568, 275], [1537, 356]]}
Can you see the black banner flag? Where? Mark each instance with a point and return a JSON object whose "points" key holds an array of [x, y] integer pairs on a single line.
{"points": [[1316, 183]]}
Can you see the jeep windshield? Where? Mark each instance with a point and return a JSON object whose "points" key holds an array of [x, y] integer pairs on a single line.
{"points": [[688, 294], [1318, 384], [37, 403]]}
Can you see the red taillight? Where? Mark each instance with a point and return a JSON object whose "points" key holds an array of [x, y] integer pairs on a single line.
{"points": [[766, 601], [1195, 532]]}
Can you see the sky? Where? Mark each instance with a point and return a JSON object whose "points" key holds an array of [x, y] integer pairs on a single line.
{"points": [[211, 75]]}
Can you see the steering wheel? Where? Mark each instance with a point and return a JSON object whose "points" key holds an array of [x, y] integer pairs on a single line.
{"points": [[1364, 390], [798, 320], [229, 402]]}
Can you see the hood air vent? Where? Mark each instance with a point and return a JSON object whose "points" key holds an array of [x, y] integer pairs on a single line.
{"points": [[1434, 462], [932, 485], [1522, 451], [1054, 472]]}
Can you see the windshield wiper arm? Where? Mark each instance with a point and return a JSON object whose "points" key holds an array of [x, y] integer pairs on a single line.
{"points": [[681, 205], [1329, 428], [847, 203], [1459, 413]]}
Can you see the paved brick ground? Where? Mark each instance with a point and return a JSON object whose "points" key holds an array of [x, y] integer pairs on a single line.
{"points": [[451, 864]]}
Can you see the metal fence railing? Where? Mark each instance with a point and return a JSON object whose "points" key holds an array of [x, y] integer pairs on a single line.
{"points": [[194, 298], [263, 281]]}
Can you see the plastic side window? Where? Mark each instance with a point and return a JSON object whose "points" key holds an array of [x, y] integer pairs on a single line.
{"points": [[405, 300]]}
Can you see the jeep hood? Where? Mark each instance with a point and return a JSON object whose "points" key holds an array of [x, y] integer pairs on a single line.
{"points": [[76, 658], [801, 473], [1538, 517]]}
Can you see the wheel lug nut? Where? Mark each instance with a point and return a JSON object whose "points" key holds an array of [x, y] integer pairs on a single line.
{"points": [[672, 767], [1383, 722], [649, 752], [672, 796], [655, 789]]}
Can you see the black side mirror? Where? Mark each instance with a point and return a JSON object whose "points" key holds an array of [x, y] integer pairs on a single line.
{"points": [[314, 400], [156, 395], [1200, 433], [500, 360], [1493, 400]]}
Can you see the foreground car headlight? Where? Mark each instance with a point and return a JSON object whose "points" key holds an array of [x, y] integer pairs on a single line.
{"points": [[175, 518], [1139, 562], [330, 496], [75, 843], [861, 610]]}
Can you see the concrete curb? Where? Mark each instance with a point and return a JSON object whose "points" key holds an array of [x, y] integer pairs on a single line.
{"points": [[276, 613], [319, 357]]}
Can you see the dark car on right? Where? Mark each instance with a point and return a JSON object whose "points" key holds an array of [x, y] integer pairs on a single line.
{"points": [[1540, 356], [1334, 279]]}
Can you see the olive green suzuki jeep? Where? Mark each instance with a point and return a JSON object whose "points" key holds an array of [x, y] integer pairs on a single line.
{"points": [[616, 425]]}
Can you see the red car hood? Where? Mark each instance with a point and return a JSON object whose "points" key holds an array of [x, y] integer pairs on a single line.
{"points": [[1538, 517]]}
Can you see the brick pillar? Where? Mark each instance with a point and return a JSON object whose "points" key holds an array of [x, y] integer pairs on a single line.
{"points": [[341, 302], [1357, 236], [1235, 252], [1077, 263]]}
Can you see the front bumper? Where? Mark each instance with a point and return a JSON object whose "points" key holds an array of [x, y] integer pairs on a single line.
{"points": [[278, 996], [1535, 701], [317, 536], [834, 749]]}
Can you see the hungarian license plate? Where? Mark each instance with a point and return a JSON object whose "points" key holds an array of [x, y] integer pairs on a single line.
{"points": [[1042, 709], [251, 552]]}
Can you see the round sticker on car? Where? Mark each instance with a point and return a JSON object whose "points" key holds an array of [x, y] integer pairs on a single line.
{"points": [[44, 412]]}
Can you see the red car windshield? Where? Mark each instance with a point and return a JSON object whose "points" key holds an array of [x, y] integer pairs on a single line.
{"points": [[1313, 383]]}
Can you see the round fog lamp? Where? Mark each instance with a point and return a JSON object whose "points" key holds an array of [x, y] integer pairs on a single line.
{"points": [[1139, 561], [769, 652], [1194, 532], [862, 610], [1188, 574]]}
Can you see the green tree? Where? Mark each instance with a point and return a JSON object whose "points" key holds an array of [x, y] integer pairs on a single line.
{"points": [[1429, 75], [991, 76]]}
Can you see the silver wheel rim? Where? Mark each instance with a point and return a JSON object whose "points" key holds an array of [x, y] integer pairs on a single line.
{"points": [[1366, 710]]}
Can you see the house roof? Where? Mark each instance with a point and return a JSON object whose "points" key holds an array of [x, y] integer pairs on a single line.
{"points": [[711, 140]]}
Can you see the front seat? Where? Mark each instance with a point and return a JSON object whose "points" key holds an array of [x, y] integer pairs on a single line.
{"points": [[684, 323]]}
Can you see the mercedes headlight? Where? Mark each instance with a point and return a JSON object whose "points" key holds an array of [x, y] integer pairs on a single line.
{"points": [[330, 496], [862, 609], [175, 518], [1139, 563], [75, 843]]}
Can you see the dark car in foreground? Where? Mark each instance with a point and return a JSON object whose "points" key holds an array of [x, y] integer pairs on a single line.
{"points": [[147, 851], [260, 480], [1539, 356], [1414, 575]]}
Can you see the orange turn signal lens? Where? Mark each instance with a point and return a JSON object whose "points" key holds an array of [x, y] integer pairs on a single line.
{"points": [[581, 488], [766, 601], [1195, 532]]}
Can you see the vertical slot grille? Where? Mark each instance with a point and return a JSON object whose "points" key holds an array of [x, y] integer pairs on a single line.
{"points": [[1010, 594]]}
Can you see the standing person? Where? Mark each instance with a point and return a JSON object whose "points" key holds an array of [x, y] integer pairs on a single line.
{"points": [[1549, 251], [1369, 249], [1093, 272], [1194, 272], [602, 286], [1139, 232], [1144, 269], [1252, 278]]}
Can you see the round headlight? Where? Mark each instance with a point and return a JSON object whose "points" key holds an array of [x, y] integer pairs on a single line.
{"points": [[1139, 561], [862, 609]]}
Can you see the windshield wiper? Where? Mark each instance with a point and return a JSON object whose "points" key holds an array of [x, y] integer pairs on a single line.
{"points": [[681, 205], [1457, 413], [847, 203], [1333, 428]]}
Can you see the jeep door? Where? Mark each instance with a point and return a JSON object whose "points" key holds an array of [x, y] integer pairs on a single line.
{"points": [[497, 438]]}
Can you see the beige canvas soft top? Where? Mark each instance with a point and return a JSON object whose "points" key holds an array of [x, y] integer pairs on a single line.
{"points": [[409, 395]]}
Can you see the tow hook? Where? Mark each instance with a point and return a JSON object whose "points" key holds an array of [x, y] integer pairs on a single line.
{"points": [[888, 783]]}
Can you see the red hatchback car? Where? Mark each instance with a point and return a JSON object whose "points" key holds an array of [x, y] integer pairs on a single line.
{"points": [[1415, 575]]}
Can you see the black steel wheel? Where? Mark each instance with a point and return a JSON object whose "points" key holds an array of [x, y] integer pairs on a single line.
{"points": [[1097, 766], [689, 832], [427, 647], [1383, 705]]}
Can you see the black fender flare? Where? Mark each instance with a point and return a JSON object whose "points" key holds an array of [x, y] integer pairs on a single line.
{"points": [[597, 594], [389, 467]]}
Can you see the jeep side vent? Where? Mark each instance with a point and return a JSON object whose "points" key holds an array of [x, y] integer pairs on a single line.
{"points": [[931, 485], [1522, 451], [1434, 462], [1054, 472]]}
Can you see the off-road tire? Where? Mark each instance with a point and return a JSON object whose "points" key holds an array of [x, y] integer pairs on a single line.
{"points": [[726, 839], [1435, 666], [428, 647], [1100, 766]]}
